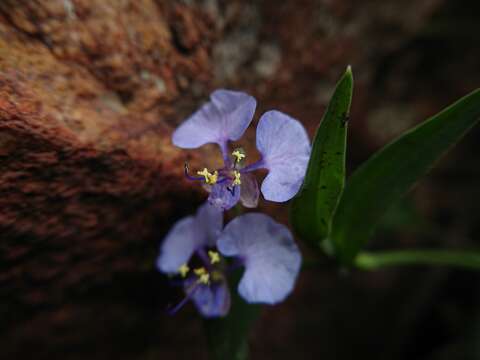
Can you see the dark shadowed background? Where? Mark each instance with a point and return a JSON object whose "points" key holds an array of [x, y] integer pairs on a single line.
{"points": [[90, 91]]}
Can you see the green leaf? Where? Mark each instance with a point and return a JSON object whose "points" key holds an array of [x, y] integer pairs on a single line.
{"points": [[228, 337], [375, 260], [313, 207], [391, 172]]}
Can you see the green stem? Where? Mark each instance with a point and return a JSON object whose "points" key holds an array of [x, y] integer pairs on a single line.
{"points": [[373, 261]]}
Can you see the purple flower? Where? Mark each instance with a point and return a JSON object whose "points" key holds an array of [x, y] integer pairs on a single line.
{"points": [[196, 248], [281, 140]]}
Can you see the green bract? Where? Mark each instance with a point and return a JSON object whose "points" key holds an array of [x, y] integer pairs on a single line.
{"points": [[314, 206]]}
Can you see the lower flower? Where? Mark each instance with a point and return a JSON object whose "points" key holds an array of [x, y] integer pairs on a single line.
{"points": [[197, 247]]}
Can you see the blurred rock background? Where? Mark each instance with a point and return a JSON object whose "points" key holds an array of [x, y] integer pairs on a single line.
{"points": [[90, 91]]}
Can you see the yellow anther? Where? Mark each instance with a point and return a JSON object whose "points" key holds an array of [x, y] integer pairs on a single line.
{"points": [[214, 257], [236, 180], [200, 271], [203, 275], [204, 172], [214, 177], [183, 270], [238, 155], [210, 178], [204, 279], [216, 276]]}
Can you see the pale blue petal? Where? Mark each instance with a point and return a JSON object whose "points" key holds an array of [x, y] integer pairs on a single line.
{"points": [[224, 197], [178, 246], [272, 259], [249, 191], [285, 148], [208, 224], [225, 117], [188, 235], [212, 300]]}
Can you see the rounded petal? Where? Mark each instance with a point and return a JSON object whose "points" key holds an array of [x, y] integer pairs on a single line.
{"points": [[285, 148], [225, 117], [272, 259], [187, 235], [208, 224], [237, 109], [249, 191], [178, 246], [224, 197], [213, 300]]}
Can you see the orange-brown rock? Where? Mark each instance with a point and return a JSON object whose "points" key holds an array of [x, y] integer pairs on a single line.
{"points": [[90, 92]]}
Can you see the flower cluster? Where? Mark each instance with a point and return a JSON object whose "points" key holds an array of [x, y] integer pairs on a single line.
{"points": [[199, 249], [281, 140]]}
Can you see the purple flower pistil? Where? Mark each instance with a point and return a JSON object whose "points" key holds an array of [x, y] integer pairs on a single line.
{"points": [[281, 140]]}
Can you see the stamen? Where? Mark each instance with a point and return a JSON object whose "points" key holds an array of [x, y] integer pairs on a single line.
{"points": [[203, 275], [204, 279], [214, 177], [214, 257], [190, 291], [189, 177], [236, 180], [239, 155], [205, 174], [210, 178], [200, 271], [183, 270]]}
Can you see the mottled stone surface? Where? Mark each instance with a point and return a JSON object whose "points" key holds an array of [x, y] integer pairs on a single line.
{"points": [[88, 187]]}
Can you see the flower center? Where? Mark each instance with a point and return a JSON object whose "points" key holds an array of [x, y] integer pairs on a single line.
{"points": [[212, 273], [204, 274], [210, 178], [229, 175]]}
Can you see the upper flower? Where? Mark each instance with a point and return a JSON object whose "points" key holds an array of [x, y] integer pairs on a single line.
{"points": [[196, 246], [281, 140]]}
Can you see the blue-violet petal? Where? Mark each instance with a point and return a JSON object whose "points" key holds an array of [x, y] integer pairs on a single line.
{"points": [[212, 300], [285, 148], [208, 224], [223, 196], [271, 257], [178, 246], [225, 117], [249, 192], [187, 235]]}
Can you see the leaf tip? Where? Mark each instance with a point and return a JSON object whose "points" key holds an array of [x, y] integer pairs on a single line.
{"points": [[347, 77]]}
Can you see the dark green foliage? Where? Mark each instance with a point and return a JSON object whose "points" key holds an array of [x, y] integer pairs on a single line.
{"points": [[313, 208], [392, 171]]}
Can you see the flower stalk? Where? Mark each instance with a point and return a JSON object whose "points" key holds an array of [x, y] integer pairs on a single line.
{"points": [[377, 260]]}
